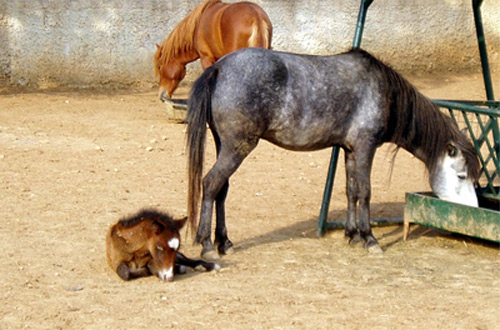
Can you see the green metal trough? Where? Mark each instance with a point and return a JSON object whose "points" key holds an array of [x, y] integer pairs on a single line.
{"points": [[425, 209]]}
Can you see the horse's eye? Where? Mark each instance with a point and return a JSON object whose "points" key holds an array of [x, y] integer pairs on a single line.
{"points": [[452, 151], [159, 248], [461, 176]]}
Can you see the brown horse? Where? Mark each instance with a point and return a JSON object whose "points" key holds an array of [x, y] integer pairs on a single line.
{"points": [[210, 31], [148, 244]]}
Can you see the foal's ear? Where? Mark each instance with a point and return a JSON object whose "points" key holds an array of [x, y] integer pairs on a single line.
{"points": [[157, 227], [180, 223], [157, 46], [452, 150]]}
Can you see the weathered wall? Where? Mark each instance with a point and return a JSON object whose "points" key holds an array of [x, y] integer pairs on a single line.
{"points": [[88, 42]]}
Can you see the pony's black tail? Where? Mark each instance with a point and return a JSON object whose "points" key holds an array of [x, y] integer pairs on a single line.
{"points": [[199, 113]]}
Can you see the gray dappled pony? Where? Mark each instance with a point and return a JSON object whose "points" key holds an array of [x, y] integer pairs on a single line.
{"points": [[304, 103]]}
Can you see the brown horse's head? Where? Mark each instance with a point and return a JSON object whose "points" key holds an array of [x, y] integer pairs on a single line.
{"points": [[163, 246], [170, 74]]}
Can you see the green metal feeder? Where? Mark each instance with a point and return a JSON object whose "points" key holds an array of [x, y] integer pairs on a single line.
{"points": [[481, 120]]}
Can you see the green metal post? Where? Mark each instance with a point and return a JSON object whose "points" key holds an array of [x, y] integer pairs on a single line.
{"points": [[325, 205], [476, 7], [360, 25], [483, 53], [322, 220]]}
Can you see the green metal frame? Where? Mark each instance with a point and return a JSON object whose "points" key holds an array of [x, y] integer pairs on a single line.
{"points": [[489, 136]]}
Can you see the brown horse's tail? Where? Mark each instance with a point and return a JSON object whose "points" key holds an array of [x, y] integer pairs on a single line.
{"points": [[262, 33], [199, 113]]}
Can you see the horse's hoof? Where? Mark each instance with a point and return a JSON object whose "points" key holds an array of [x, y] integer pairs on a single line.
{"points": [[212, 266], [200, 268], [210, 255], [182, 269], [123, 272], [226, 248], [355, 239], [375, 249]]}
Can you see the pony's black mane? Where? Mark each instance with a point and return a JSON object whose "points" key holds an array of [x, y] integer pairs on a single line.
{"points": [[416, 123], [163, 218]]}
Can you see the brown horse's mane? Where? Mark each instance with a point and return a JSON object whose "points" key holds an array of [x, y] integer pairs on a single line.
{"points": [[181, 39], [164, 219], [415, 122]]}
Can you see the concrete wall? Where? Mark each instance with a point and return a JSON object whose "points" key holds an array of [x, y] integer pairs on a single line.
{"points": [[90, 42]]}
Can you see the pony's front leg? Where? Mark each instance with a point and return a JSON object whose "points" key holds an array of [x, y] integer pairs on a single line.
{"points": [[351, 230], [358, 168], [365, 230], [363, 169]]}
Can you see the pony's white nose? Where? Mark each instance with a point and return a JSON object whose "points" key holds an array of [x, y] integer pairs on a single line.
{"points": [[464, 194], [166, 275]]}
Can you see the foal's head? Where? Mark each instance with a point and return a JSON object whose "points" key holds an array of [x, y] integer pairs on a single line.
{"points": [[164, 242]]}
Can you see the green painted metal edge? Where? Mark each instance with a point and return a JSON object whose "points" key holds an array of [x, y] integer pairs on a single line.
{"points": [[424, 209]]}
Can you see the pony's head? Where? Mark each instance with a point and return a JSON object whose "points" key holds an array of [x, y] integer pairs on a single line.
{"points": [[164, 245], [170, 73], [455, 173]]}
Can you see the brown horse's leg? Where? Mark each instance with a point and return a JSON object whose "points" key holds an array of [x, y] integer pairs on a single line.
{"points": [[182, 260], [123, 271], [127, 273]]}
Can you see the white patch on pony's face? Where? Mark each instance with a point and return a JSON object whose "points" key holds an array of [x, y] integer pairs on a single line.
{"points": [[166, 275], [174, 243], [451, 182]]}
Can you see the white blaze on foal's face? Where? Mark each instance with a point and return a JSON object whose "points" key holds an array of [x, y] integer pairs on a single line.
{"points": [[168, 257], [451, 182], [174, 243]]}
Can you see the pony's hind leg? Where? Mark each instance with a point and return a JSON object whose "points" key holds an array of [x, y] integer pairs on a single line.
{"points": [[227, 163], [224, 245]]}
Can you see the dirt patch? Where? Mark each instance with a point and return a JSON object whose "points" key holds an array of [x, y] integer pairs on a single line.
{"points": [[72, 163]]}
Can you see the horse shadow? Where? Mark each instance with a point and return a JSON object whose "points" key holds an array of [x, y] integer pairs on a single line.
{"points": [[389, 236], [307, 228]]}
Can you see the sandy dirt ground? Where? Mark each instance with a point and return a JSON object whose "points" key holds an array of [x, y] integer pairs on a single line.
{"points": [[73, 162]]}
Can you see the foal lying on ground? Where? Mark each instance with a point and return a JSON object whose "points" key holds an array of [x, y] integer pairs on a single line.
{"points": [[148, 244]]}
